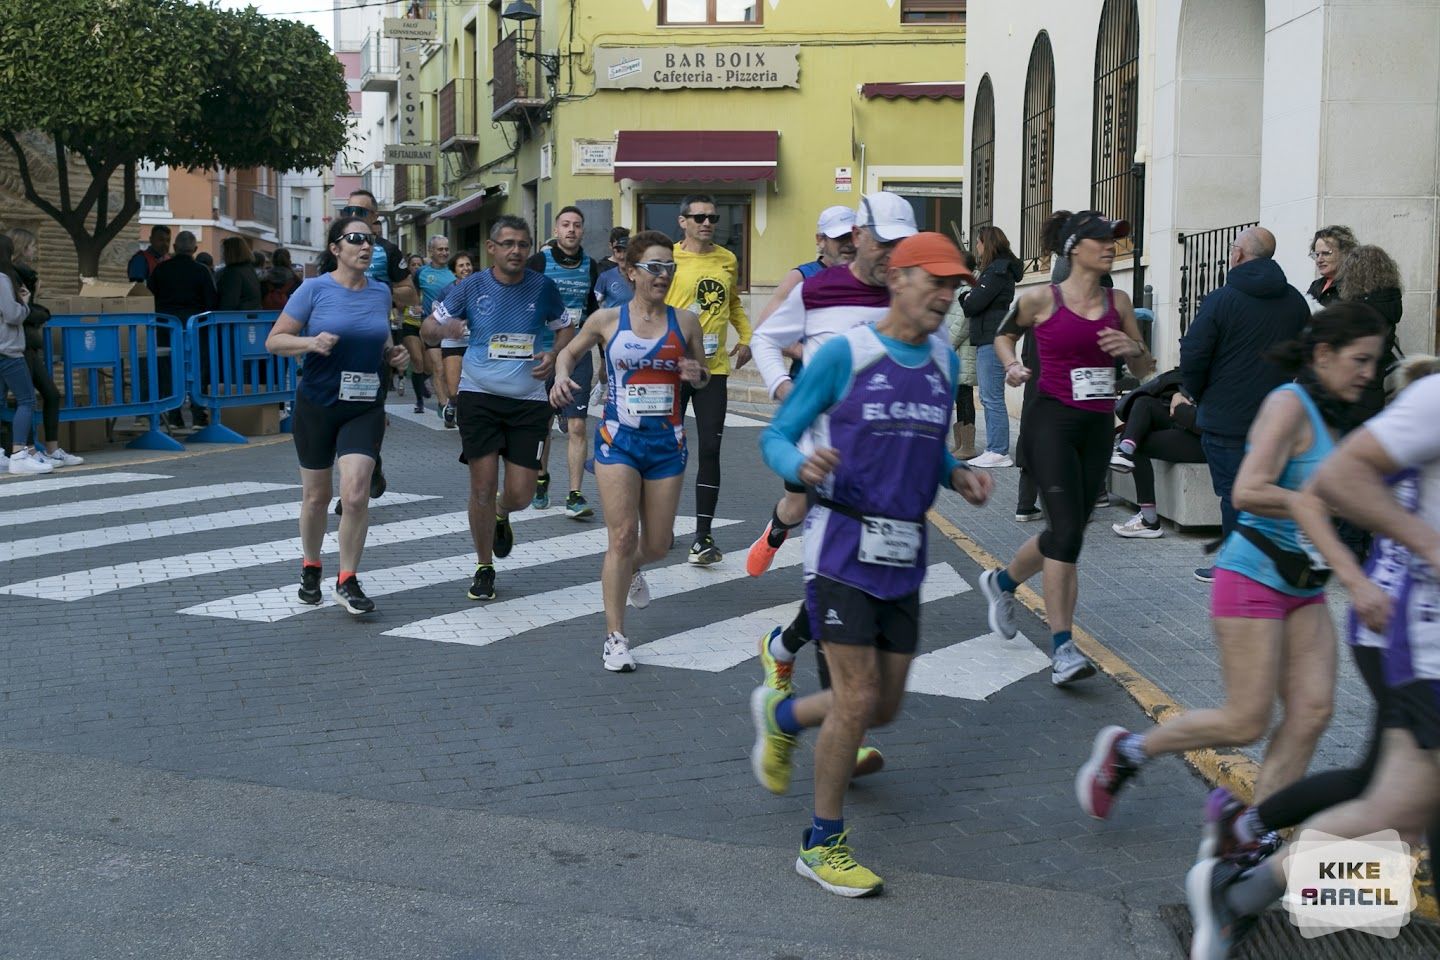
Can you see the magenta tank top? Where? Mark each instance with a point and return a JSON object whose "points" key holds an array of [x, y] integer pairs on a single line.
{"points": [[1073, 368]]}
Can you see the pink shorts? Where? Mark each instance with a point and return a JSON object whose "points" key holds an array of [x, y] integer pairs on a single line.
{"points": [[1236, 595]]}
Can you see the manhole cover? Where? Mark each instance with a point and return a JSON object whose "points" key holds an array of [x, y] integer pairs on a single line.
{"points": [[1276, 938]]}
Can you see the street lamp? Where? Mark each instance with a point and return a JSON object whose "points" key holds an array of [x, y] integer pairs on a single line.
{"points": [[520, 11]]}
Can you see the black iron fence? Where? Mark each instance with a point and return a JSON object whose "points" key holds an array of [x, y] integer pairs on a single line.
{"points": [[1203, 266]]}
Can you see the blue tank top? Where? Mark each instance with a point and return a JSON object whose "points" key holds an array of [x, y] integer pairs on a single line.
{"points": [[574, 284], [1243, 557], [808, 270], [644, 383]]}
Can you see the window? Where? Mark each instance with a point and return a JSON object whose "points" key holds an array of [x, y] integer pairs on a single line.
{"points": [[1113, 185], [297, 219], [932, 11], [982, 159], [938, 206], [661, 211], [1036, 174], [710, 12], [154, 184]]}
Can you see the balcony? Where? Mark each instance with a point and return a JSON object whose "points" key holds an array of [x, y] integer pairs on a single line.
{"points": [[379, 65], [458, 125], [517, 89], [413, 184], [257, 208]]}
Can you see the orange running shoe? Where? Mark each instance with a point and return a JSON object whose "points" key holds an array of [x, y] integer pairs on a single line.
{"points": [[762, 554]]}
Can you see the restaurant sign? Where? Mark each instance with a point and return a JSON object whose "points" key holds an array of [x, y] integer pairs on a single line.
{"points": [[696, 68]]}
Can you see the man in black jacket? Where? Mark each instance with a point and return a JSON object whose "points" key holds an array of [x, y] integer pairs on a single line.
{"points": [[1222, 357], [182, 288]]}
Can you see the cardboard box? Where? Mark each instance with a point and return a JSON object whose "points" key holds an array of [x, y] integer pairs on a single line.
{"points": [[78, 436], [99, 297], [258, 421]]}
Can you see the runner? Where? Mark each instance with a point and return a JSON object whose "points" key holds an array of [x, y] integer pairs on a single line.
{"points": [[501, 406], [872, 397], [834, 244], [614, 288], [1272, 628], [707, 283], [640, 451], [1080, 329], [452, 351], [339, 322], [433, 278], [1405, 792], [575, 273]]}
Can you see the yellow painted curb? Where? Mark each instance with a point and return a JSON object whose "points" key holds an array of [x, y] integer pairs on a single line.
{"points": [[1222, 768]]}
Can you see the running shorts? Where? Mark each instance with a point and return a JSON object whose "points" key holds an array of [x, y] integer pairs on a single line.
{"points": [[1236, 595], [323, 433], [840, 613], [1415, 706], [513, 428], [584, 376], [453, 351], [654, 454]]}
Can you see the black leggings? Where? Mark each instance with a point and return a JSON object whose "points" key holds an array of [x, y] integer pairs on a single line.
{"points": [[1067, 451], [797, 635], [1156, 437], [1320, 791], [965, 405], [711, 402], [47, 394]]}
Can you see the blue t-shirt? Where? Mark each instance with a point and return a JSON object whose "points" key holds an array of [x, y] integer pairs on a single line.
{"points": [[508, 322], [612, 289], [360, 318], [433, 282]]}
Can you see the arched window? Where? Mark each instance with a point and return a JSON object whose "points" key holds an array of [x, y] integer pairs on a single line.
{"points": [[1037, 174], [1113, 186], [982, 159]]}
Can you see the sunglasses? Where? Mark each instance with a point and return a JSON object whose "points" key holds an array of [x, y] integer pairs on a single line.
{"points": [[704, 217], [657, 268], [363, 212], [359, 239]]}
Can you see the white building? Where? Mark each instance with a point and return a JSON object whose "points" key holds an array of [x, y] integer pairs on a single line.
{"points": [[1191, 116]]}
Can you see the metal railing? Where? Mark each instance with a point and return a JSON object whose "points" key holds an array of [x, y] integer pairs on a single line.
{"points": [[378, 56], [414, 182], [257, 207], [1203, 266], [514, 84], [457, 113]]}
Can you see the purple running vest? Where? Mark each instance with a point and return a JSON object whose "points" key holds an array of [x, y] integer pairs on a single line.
{"points": [[1068, 341]]}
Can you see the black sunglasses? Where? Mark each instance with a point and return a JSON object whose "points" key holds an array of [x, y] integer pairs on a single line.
{"points": [[362, 212], [704, 217], [359, 239]]}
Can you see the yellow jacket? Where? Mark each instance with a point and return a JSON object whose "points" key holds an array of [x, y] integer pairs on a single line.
{"points": [[707, 283]]}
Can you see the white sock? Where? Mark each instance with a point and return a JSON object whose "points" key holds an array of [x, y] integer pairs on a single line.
{"points": [[778, 651]]}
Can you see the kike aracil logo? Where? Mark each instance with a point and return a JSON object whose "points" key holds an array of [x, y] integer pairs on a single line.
{"points": [[1335, 884]]}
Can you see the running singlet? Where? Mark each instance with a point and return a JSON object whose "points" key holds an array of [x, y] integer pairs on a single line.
{"points": [[433, 282], [644, 390], [361, 321], [574, 284], [1242, 556], [830, 302], [508, 322], [1073, 368], [808, 270]]}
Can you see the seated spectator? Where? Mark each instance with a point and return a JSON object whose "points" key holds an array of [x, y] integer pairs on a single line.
{"points": [[1159, 424]]}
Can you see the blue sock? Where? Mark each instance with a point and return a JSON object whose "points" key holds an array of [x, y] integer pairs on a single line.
{"points": [[1060, 638], [1006, 582], [821, 830], [785, 717]]}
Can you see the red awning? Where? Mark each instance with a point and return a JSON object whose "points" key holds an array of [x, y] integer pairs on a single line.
{"points": [[666, 155], [938, 90], [471, 203]]}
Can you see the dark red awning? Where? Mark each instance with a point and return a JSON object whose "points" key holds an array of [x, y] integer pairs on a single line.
{"points": [[667, 155], [938, 90]]}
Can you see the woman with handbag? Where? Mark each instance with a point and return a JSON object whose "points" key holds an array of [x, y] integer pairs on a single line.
{"points": [[1273, 630], [27, 251]]}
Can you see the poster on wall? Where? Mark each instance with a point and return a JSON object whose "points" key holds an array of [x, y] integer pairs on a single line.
{"points": [[592, 156], [842, 180]]}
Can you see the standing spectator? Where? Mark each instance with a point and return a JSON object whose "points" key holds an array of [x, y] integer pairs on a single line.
{"points": [[27, 252], [182, 287], [986, 306], [279, 282], [1328, 249], [958, 327], [1368, 275], [1222, 363], [239, 287], [144, 262], [14, 373], [208, 262]]}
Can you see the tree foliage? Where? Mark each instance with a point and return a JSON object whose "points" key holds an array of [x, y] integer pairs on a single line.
{"points": [[117, 82]]}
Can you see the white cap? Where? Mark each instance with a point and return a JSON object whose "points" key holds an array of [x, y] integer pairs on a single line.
{"points": [[888, 215], [835, 222]]}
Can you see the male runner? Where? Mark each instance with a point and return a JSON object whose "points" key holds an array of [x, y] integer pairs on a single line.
{"points": [[433, 278], [502, 407]]}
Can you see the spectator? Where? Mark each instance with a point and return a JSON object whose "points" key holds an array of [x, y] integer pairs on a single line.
{"points": [[1221, 357], [182, 287], [239, 287], [144, 262], [958, 326], [14, 373], [986, 306], [1368, 275], [414, 262], [208, 262], [1159, 424], [27, 252], [262, 262], [1328, 249], [279, 282]]}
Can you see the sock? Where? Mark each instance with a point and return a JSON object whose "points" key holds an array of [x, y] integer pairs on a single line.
{"points": [[779, 530], [821, 830], [417, 380], [1254, 892], [307, 564], [574, 494], [344, 575], [1127, 447], [1059, 638], [1132, 748], [778, 650], [1248, 826], [484, 566], [543, 479], [797, 634], [1005, 581], [1147, 510], [785, 717]]}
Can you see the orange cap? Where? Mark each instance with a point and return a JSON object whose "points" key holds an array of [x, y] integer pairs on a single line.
{"points": [[934, 252]]}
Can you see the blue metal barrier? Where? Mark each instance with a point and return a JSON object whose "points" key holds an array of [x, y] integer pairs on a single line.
{"points": [[230, 367]]}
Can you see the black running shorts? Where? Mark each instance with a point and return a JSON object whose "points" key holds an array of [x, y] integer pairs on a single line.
{"points": [[323, 433], [453, 351], [515, 429], [840, 613]]}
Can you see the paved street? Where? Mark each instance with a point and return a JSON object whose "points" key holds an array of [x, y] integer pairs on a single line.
{"points": [[193, 764]]}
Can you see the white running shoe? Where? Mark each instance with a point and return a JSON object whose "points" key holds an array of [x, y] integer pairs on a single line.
{"points": [[4, 461], [26, 462], [1136, 528], [990, 459], [1121, 462], [1002, 605], [62, 459], [639, 591], [617, 654], [1069, 664]]}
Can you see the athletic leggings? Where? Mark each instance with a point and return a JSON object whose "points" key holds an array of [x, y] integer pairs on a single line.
{"points": [[1320, 791], [711, 402], [1157, 437], [965, 405], [797, 635], [47, 394], [1067, 451]]}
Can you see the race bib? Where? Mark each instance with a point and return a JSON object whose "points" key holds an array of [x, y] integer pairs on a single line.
{"points": [[512, 346], [1092, 383], [359, 386], [889, 543], [572, 317], [649, 399], [712, 343]]}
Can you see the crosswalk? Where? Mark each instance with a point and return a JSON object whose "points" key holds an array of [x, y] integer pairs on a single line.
{"points": [[184, 523]]}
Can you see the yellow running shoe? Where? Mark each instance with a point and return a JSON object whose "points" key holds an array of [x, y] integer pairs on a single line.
{"points": [[770, 757], [833, 867], [868, 760], [777, 672]]}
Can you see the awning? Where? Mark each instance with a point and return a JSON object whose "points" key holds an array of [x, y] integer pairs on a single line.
{"points": [[471, 203], [938, 90], [667, 155]]}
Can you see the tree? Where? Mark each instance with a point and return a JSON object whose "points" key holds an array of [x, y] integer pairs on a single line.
{"points": [[117, 82]]}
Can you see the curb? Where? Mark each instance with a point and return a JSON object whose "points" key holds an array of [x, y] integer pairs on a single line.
{"points": [[142, 458], [1220, 768]]}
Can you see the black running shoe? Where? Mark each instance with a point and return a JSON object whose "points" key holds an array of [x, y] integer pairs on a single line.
{"points": [[703, 552], [449, 416], [352, 598], [310, 585], [504, 536], [339, 507], [483, 586], [377, 483]]}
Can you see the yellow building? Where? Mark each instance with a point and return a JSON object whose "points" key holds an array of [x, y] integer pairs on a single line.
{"points": [[778, 108]]}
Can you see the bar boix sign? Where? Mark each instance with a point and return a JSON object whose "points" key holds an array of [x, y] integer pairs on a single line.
{"points": [[697, 67]]}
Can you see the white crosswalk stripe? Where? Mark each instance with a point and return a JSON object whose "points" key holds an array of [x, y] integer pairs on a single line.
{"points": [[975, 669], [138, 501], [51, 483]]}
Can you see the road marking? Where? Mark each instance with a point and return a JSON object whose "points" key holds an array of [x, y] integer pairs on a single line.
{"points": [[735, 420], [280, 603], [139, 501], [50, 482], [975, 669], [485, 624], [82, 584], [719, 646], [406, 411], [153, 530]]}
